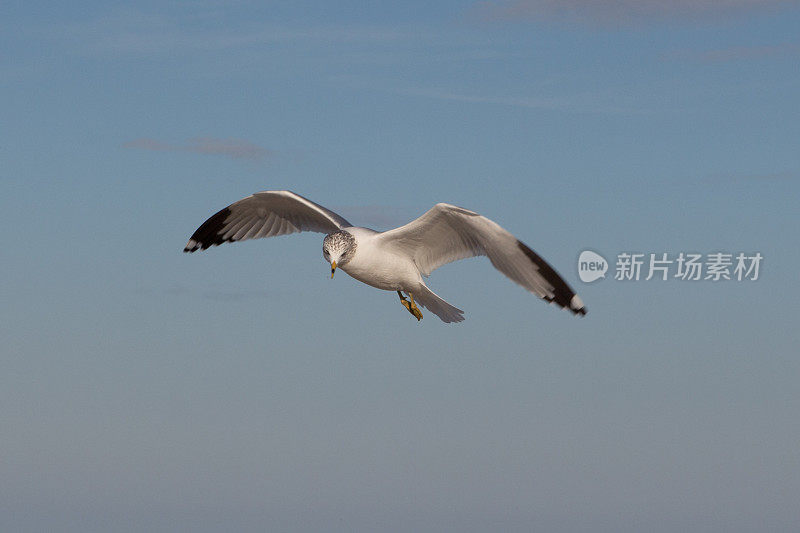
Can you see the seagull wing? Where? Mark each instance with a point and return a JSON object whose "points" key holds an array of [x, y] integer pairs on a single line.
{"points": [[447, 233], [264, 214]]}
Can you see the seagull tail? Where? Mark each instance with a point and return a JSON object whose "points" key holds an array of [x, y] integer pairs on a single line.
{"points": [[428, 299]]}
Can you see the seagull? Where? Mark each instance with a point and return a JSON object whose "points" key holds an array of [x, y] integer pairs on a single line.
{"points": [[393, 260]]}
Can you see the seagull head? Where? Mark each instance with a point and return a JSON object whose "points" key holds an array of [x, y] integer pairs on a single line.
{"points": [[338, 248]]}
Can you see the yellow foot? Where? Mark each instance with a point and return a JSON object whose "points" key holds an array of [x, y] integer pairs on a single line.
{"points": [[411, 306]]}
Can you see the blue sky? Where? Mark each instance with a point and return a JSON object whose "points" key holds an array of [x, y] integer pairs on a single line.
{"points": [[144, 389]]}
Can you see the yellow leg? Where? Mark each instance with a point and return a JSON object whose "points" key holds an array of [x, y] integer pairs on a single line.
{"points": [[414, 309], [410, 306]]}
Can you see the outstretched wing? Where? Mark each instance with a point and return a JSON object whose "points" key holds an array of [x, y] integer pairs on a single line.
{"points": [[264, 214], [447, 233]]}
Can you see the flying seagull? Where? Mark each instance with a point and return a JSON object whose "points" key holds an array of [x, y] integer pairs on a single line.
{"points": [[393, 260]]}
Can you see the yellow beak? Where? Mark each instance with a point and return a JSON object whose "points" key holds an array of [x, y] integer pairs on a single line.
{"points": [[333, 269]]}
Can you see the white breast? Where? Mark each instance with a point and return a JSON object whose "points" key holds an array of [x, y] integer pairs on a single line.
{"points": [[379, 266]]}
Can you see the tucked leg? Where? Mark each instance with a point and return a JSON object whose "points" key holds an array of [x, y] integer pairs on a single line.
{"points": [[405, 302], [410, 306], [414, 309]]}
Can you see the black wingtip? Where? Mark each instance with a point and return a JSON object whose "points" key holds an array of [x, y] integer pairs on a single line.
{"points": [[563, 295], [208, 234]]}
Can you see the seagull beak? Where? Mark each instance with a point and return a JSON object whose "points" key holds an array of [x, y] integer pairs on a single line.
{"points": [[333, 269]]}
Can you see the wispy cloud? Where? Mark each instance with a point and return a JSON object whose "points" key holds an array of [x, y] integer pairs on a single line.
{"points": [[734, 53], [135, 32], [615, 12], [578, 104], [234, 148], [181, 39]]}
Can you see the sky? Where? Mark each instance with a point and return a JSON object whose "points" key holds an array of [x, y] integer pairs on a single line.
{"points": [[240, 389]]}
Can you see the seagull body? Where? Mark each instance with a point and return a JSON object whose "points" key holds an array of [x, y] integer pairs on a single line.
{"points": [[393, 260], [379, 265]]}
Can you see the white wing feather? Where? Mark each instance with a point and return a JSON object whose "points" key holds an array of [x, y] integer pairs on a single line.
{"points": [[447, 233], [264, 214]]}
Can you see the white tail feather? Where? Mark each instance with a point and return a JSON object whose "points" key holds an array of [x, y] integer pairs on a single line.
{"points": [[428, 299]]}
